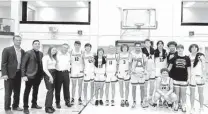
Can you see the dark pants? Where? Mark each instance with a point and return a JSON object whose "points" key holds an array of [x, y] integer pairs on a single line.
{"points": [[12, 85], [50, 87], [28, 85], [62, 78]]}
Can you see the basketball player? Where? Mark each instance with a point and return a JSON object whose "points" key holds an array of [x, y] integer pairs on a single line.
{"points": [[88, 70], [111, 72], [160, 58], [149, 52], [164, 89], [180, 67], [77, 70], [123, 73], [100, 75], [138, 74], [198, 72]]}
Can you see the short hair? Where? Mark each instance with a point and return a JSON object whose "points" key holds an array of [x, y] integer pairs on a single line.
{"points": [[180, 46], [193, 45], [35, 41], [16, 36], [160, 41], [172, 43], [164, 70], [65, 44], [88, 44], [137, 43], [123, 45], [147, 40], [77, 42]]}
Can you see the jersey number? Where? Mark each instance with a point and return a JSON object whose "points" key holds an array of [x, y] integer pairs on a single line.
{"points": [[76, 58], [124, 61], [163, 88], [110, 62], [99, 66]]}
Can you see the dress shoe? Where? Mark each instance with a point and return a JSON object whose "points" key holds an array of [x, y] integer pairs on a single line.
{"points": [[18, 109], [58, 105], [49, 110], [36, 106], [68, 104], [26, 111]]}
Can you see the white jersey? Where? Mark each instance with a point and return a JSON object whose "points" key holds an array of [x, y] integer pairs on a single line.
{"points": [[76, 60], [150, 63], [101, 68], [160, 63], [165, 85], [123, 62], [138, 61], [111, 63], [197, 70], [89, 62]]}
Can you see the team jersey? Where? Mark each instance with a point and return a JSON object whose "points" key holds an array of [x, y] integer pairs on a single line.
{"points": [[76, 59], [111, 63], [88, 61], [160, 62], [138, 61], [150, 58], [101, 67], [165, 86], [197, 70], [123, 62]]}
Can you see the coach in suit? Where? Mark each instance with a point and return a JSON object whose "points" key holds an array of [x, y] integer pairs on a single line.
{"points": [[11, 73], [32, 73]]}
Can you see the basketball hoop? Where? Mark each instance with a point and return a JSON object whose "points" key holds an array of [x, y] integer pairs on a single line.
{"points": [[53, 31], [139, 25]]}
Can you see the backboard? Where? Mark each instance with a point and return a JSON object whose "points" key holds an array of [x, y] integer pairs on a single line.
{"points": [[138, 19]]}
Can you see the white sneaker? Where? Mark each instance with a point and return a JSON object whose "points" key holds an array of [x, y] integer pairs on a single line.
{"points": [[192, 111], [183, 108], [201, 111], [134, 104]]}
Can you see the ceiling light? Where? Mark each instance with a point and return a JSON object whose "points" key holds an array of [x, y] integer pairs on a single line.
{"points": [[41, 3]]}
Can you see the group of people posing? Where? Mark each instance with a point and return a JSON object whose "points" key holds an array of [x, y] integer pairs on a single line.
{"points": [[163, 75]]}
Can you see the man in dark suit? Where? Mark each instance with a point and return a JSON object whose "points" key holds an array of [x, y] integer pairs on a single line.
{"points": [[32, 74], [11, 73]]}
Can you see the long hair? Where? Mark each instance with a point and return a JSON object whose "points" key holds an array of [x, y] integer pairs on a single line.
{"points": [[96, 58], [49, 53]]}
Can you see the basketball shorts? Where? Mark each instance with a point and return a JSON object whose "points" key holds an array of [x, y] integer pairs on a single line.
{"points": [[100, 78], [123, 75], [111, 77], [196, 80], [150, 75], [180, 83], [89, 76], [77, 72], [138, 78]]}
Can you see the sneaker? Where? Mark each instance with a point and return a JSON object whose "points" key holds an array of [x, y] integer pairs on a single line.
{"points": [[192, 111], [96, 102], [179, 106], [144, 104], [153, 104], [85, 102], [170, 105], [122, 103], [107, 102], [183, 108], [80, 101], [127, 103], [201, 111], [176, 107], [165, 104], [160, 103], [72, 101], [112, 103], [134, 104], [101, 102]]}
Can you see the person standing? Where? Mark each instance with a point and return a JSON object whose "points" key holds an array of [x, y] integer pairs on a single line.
{"points": [[49, 67], [62, 76], [32, 74], [11, 73]]}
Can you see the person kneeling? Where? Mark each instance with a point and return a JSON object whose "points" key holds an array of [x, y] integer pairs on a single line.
{"points": [[164, 89]]}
